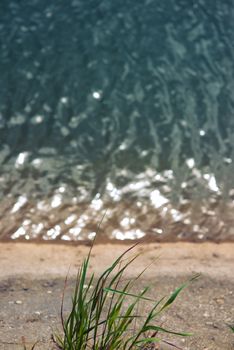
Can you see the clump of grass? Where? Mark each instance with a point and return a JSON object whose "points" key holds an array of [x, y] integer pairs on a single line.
{"points": [[104, 312]]}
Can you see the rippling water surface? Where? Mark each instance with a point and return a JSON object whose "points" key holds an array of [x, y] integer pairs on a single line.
{"points": [[123, 108]]}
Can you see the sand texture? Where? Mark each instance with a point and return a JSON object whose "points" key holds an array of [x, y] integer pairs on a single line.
{"points": [[32, 280]]}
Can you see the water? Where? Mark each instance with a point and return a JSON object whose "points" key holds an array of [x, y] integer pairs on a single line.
{"points": [[123, 108]]}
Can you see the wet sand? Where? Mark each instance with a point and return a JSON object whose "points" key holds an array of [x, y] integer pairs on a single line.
{"points": [[32, 279]]}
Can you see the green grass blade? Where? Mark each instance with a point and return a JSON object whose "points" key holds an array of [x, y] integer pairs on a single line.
{"points": [[127, 294], [176, 292], [164, 330]]}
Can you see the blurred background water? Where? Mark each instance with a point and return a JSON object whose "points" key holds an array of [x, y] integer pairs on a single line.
{"points": [[123, 108]]}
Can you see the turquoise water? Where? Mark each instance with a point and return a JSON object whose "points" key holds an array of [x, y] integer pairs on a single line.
{"points": [[123, 108]]}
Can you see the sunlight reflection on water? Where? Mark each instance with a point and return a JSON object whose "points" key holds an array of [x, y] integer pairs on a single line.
{"points": [[137, 211]]}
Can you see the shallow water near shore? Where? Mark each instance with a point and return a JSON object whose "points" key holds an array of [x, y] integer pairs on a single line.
{"points": [[118, 110]]}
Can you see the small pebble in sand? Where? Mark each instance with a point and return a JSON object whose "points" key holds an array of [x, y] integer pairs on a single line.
{"points": [[219, 301]]}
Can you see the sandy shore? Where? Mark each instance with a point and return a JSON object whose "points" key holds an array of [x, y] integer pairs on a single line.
{"points": [[32, 278]]}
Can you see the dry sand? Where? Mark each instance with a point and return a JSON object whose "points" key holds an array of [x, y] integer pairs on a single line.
{"points": [[32, 279]]}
